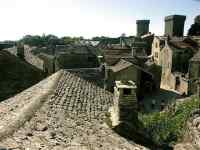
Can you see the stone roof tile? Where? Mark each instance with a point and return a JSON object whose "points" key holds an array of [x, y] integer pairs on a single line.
{"points": [[121, 65]]}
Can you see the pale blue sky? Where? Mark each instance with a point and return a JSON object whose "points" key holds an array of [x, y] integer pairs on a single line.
{"points": [[88, 18]]}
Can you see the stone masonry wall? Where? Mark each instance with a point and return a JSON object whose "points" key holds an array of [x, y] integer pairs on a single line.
{"points": [[32, 59]]}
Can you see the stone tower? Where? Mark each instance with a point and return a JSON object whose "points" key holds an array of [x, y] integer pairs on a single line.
{"points": [[125, 103], [142, 27], [174, 25]]}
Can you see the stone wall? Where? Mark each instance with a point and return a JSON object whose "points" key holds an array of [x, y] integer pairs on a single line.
{"points": [[130, 73], [125, 105], [142, 27], [156, 51], [194, 73], [72, 60], [174, 25], [166, 57], [31, 58]]}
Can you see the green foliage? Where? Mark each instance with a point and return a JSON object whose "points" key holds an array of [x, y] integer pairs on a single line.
{"points": [[48, 40], [97, 38], [169, 127], [71, 40]]}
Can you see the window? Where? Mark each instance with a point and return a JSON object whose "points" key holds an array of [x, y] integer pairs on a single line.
{"points": [[156, 45], [127, 91], [156, 54]]}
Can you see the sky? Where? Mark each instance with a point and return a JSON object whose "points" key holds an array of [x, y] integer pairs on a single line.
{"points": [[89, 18]]}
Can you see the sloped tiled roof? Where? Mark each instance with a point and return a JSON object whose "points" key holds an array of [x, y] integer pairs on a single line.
{"points": [[121, 65], [184, 43], [71, 116]]}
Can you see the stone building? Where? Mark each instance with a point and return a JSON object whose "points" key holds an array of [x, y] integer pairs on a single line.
{"points": [[51, 59], [122, 71], [48, 63], [145, 78], [175, 58], [113, 55], [148, 38], [139, 48], [173, 53], [157, 45], [174, 25], [194, 73], [77, 56], [125, 103], [142, 27], [116, 48], [196, 39]]}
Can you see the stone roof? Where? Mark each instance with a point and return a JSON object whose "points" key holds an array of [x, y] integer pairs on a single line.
{"points": [[161, 37], [127, 62], [112, 56], [183, 44], [94, 75], [147, 35], [121, 65], [61, 112]]}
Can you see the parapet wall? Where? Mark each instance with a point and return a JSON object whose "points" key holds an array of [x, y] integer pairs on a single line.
{"points": [[15, 111]]}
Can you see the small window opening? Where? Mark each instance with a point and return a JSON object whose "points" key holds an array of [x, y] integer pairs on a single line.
{"points": [[127, 91]]}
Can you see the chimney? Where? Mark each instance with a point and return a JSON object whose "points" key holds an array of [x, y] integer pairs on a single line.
{"points": [[142, 27], [20, 51], [174, 25], [125, 103], [122, 42], [122, 37]]}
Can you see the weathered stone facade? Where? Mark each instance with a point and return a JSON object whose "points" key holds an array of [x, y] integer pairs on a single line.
{"points": [[148, 38], [157, 46], [122, 71], [72, 60], [125, 104], [32, 58], [65, 57], [174, 25], [142, 27], [175, 64], [194, 73], [146, 77], [48, 63]]}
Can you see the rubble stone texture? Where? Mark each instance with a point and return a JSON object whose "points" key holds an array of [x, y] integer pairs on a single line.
{"points": [[72, 118], [193, 139]]}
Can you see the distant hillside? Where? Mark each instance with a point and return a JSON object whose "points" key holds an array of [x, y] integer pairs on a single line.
{"points": [[16, 75]]}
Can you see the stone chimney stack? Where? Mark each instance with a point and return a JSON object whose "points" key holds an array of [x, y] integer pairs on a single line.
{"points": [[174, 25], [20, 51], [142, 27], [125, 103], [122, 37]]}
